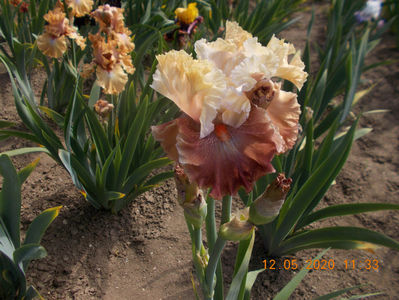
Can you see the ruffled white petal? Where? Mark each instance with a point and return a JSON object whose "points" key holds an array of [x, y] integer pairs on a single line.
{"points": [[235, 34], [236, 108], [292, 71], [248, 72], [223, 54]]}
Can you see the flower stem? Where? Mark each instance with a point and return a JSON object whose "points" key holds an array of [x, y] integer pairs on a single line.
{"points": [[211, 239], [210, 223], [197, 234], [214, 259], [226, 209]]}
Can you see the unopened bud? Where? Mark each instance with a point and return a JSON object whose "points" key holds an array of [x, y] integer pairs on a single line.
{"points": [[186, 191], [190, 197], [195, 211], [238, 229], [308, 113], [267, 206], [103, 108], [263, 92]]}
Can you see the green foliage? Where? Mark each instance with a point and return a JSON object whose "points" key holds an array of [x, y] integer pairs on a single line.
{"points": [[261, 18], [391, 13], [112, 165], [19, 29], [287, 291], [207, 261], [14, 255], [314, 168], [110, 160]]}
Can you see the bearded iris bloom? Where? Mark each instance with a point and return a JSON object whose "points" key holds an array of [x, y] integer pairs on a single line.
{"points": [[235, 115], [80, 8], [112, 46], [53, 41], [371, 11], [188, 19]]}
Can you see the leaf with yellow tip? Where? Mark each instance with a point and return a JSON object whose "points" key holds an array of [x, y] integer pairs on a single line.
{"points": [[25, 172], [375, 111], [369, 247], [115, 195], [40, 224], [53, 115], [25, 150], [83, 193], [362, 93]]}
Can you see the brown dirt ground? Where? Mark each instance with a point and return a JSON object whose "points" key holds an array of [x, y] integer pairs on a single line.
{"points": [[145, 253]]}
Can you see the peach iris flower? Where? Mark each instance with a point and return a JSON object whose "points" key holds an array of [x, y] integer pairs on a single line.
{"points": [[53, 42], [15, 2], [112, 58], [80, 7], [232, 125]]}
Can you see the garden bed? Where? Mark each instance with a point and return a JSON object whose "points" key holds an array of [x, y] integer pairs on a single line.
{"points": [[144, 252]]}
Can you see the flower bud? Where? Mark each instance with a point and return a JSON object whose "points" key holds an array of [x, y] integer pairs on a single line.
{"points": [[267, 206], [195, 211], [103, 108], [238, 229], [190, 197], [263, 92], [186, 191], [308, 113]]}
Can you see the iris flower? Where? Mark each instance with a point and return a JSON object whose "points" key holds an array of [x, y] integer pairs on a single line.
{"points": [[188, 19], [187, 15], [80, 7], [111, 64], [371, 11], [53, 41], [112, 46], [15, 2], [235, 115]]}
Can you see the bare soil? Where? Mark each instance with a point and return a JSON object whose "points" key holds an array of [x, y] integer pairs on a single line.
{"points": [[144, 252]]}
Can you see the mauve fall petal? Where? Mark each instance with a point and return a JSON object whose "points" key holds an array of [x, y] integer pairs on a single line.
{"points": [[166, 134], [229, 157]]}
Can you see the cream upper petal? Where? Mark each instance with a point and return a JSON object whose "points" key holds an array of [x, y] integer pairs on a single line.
{"points": [[244, 76], [236, 34], [292, 71], [196, 86], [235, 108], [222, 53]]}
